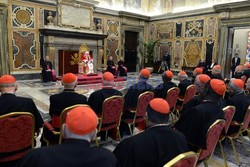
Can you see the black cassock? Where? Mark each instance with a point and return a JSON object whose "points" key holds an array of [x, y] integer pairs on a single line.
{"points": [[162, 89], [183, 86], [67, 98], [12, 103], [195, 122], [96, 98], [72, 152], [241, 103], [151, 148], [111, 67], [217, 76], [122, 71], [46, 72], [134, 92]]}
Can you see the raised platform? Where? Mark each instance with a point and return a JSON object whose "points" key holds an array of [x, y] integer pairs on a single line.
{"points": [[84, 79]]}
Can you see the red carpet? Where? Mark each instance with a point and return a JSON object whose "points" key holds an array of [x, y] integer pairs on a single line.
{"points": [[84, 79]]}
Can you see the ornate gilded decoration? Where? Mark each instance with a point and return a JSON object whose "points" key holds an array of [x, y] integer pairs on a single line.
{"points": [[113, 28], [192, 52], [23, 16], [165, 31], [194, 28], [74, 59]]}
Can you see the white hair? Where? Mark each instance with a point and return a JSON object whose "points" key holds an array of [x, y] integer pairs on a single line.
{"points": [[182, 77], [70, 85], [234, 87], [67, 134]]}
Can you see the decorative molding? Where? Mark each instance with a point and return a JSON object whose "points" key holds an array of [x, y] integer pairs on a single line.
{"points": [[235, 6], [197, 12]]}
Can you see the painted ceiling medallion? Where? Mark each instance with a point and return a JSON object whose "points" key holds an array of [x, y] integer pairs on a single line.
{"points": [[23, 16]]}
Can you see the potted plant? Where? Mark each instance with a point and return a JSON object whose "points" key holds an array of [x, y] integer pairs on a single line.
{"points": [[149, 53]]}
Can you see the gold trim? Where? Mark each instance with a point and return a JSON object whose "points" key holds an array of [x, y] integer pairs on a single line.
{"points": [[181, 157]]}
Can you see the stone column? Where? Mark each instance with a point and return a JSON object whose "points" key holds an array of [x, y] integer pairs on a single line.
{"points": [[4, 55]]}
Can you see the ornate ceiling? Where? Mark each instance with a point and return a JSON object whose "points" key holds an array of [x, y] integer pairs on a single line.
{"points": [[157, 7]]}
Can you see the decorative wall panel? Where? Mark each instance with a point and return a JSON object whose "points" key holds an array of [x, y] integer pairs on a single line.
{"points": [[192, 53], [164, 48], [165, 31], [24, 50], [194, 28], [178, 29], [211, 26], [113, 28], [112, 49], [209, 50], [23, 17], [178, 54]]}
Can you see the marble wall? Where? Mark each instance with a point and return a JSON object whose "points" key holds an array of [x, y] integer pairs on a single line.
{"points": [[188, 39]]}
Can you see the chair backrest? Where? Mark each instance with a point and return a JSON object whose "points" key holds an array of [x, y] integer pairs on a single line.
{"points": [[112, 108], [188, 159], [143, 101], [229, 114], [189, 94], [172, 96], [246, 119], [16, 133], [212, 138], [63, 116]]}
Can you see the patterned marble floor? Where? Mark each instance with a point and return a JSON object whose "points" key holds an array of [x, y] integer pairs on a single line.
{"points": [[40, 93]]}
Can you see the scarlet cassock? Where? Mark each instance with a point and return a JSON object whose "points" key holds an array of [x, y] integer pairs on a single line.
{"points": [[88, 62]]}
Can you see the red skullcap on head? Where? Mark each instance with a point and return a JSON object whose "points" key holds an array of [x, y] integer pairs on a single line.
{"points": [[81, 120], [7, 79], [198, 70], [108, 76], [182, 73], [169, 74], [203, 78], [239, 83], [218, 86], [159, 105], [69, 78], [217, 67], [145, 73]]}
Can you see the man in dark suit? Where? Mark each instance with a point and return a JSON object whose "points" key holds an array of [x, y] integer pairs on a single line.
{"points": [[195, 122], [46, 69], [9, 102], [235, 63], [239, 100], [59, 102], [78, 131], [97, 98], [210, 67], [184, 83], [162, 89], [157, 145]]}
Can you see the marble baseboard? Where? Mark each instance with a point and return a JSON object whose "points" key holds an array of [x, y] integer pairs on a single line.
{"points": [[27, 76]]}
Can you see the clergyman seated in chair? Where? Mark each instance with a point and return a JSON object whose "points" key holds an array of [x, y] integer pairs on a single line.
{"points": [[60, 101], [9, 102], [162, 89], [78, 131], [157, 145]]}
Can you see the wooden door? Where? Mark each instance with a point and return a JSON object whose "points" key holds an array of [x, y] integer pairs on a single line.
{"points": [[131, 50]]}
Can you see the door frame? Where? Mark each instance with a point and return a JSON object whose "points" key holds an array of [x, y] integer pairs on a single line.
{"points": [[226, 24], [140, 31]]}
